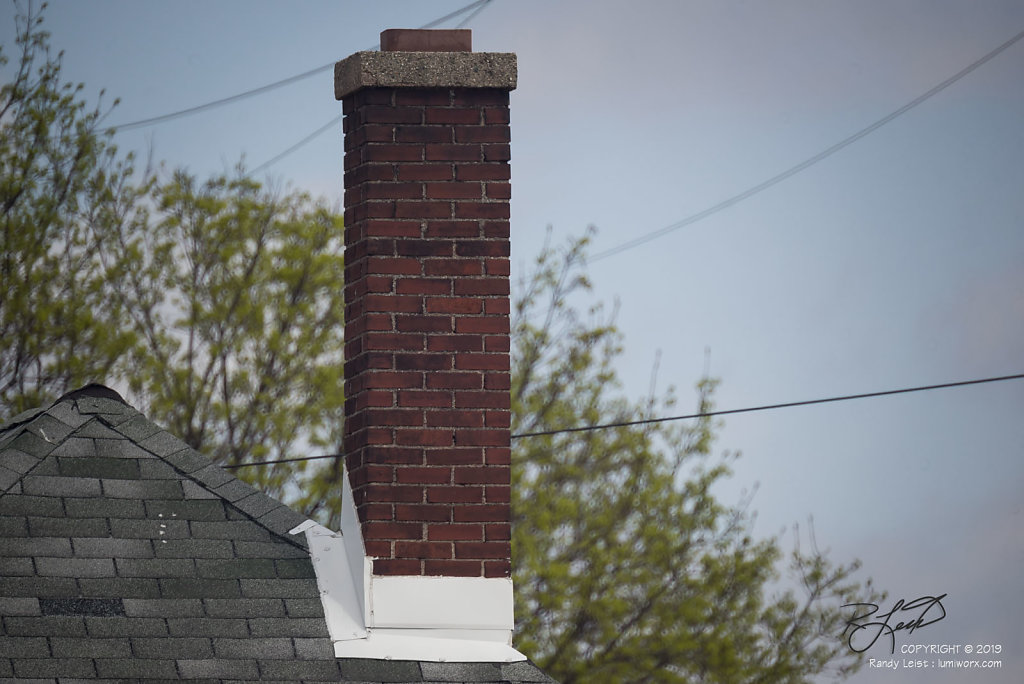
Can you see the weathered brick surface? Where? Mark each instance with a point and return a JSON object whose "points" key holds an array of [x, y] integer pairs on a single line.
{"points": [[426, 291]]}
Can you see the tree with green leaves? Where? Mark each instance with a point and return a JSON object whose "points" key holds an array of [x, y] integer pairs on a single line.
{"points": [[62, 185], [216, 303], [627, 568]]}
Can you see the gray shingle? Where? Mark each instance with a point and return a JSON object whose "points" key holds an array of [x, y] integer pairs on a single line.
{"points": [[76, 447], [297, 568], [199, 509], [36, 546], [90, 647], [184, 647], [156, 567], [28, 605], [113, 407], [212, 476], [96, 429], [124, 626], [137, 428], [163, 607], [155, 469], [299, 607], [365, 670], [75, 567], [96, 607], [301, 670], [208, 627], [21, 504], [68, 527], [136, 668], [256, 505], [279, 588], [270, 648], [251, 549], [313, 649], [67, 413], [142, 489], [524, 671], [105, 508], [45, 626], [235, 490], [239, 669], [122, 448], [461, 672], [249, 568], [193, 548], [282, 520], [49, 428], [187, 460], [99, 547], [126, 587], [162, 443], [45, 485], [17, 567], [161, 528], [7, 478], [193, 490], [243, 530], [199, 588], [37, 586], [17, 460], [33, 445], [241, 608], [24, 647], [124, 468], [54, 667], [293, 627], [13, 526]]}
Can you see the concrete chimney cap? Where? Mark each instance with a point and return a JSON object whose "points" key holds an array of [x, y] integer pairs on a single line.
{"points": [[399, 69]]}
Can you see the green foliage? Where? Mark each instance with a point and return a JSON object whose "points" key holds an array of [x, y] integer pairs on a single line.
{"points": [[627, 568], [62, 186], [234, 296], [218, 303]]}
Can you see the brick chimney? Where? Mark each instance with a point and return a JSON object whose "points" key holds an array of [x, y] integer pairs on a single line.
{"points": [[427, 303]]}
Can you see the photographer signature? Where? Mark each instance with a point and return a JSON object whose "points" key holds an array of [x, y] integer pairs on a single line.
{"points": [[879, 624]]}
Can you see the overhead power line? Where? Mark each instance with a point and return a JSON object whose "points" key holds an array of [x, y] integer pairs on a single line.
{"points": [[188, 111], [792, 171], [691, 416]]}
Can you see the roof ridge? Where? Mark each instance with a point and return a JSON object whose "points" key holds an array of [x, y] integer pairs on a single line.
{"points": [[97, 412]]}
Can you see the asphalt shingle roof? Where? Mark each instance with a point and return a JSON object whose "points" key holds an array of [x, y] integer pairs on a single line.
{"points": [[127, 555]]}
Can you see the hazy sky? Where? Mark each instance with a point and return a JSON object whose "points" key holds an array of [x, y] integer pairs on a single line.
{"points": [[896, 262]]}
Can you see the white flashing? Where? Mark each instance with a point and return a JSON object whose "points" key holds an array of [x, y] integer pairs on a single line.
{"points": [[436, 619]]}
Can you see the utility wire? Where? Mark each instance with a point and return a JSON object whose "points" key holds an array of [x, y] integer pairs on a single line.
{"points": [[153, 120], [705, 414], [481, 5], [775, 180]]}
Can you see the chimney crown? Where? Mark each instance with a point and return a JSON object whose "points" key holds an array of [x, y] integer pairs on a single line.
{"points": [[426, 40]]}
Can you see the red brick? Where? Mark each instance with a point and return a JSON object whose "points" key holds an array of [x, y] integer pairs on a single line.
{"points": [[498, 494], [425, 513], [393, 494], [426, 134], [425, 172], [483, 324], [482, 362], [391, 567], [459, 495], [430, 97], [424, 324], [422, 398], [374, 191], [482, 400], [454, 305], [455, 381], [482, 513], [453, 568], [392, 530], [423, 437], [387, 114], [423, 209], [424, 286], [495, 153], [452, 229], [455, 456], [452, 115], [480, 97], [480, 210], [424, 362], [454, 190], [432, 550], [496, 115], [496, 550], [482, 248], [464, 532], [392, 152], [454, 153], [388, 228], [452, 267], [494, 532], [454, 418], [481, 474], [499, 190], [493, 171], [498, 568], [464, 343], [482, 134]]}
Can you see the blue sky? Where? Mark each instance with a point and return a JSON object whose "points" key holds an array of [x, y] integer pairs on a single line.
{"points": [[896, 262]]}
